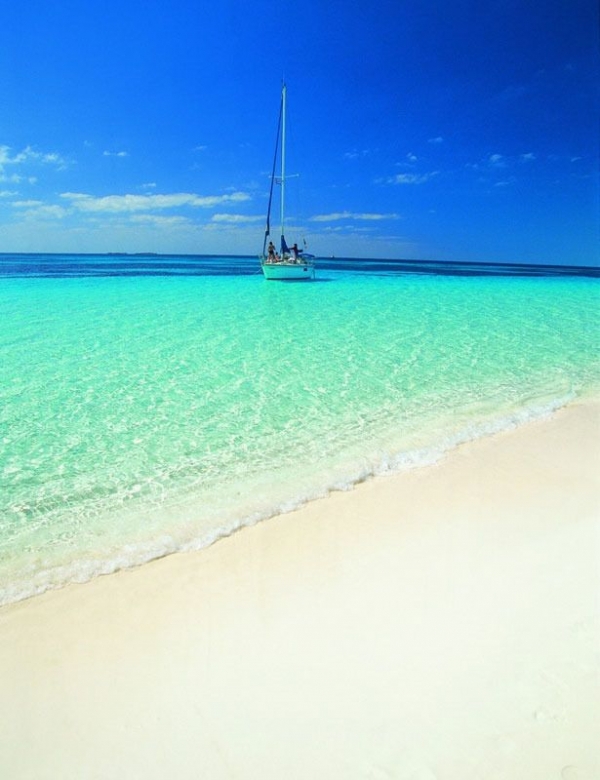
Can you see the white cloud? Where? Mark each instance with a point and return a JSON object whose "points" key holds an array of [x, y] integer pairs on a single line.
{"points": [[235, 218], [36, 209], [156, 220], [355, 154], [500, 161], [437, 140], [411, 178], [116, 204], [22, 162], [51, 212], [115, 154], [16, 178], [7, 159], [29, 154], [336, 216]]}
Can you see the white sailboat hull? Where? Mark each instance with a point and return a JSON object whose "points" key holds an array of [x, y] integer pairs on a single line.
{"points": [[292, 272]]}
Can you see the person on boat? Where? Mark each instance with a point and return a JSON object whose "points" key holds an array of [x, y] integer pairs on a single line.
{"points": [[295, 252], [272, 256]]}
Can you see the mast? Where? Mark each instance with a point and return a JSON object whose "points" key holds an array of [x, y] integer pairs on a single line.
{"points": [[283, 107], [273, 179]]}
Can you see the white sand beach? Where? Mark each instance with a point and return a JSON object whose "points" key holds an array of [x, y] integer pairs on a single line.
{"points": [[440, 624]]}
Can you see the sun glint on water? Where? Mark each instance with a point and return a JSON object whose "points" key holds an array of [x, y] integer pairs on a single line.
{"points": [[145, 413]]}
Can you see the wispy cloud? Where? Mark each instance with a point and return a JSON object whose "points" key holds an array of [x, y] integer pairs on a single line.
{"points": [[348, 230], [437, 140], [115, 204], [159, 221], [29, 154], [411, 178], [356, 154], [37, 209], [115, 154], [53, 157], [15, 167], [15, 178], [350, 215], [49, 212], [408, 162], [6, 158], [236, 218], [497, 160]]}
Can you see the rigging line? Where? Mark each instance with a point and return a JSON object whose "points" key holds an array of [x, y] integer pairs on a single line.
{"points": [[268, 227]]}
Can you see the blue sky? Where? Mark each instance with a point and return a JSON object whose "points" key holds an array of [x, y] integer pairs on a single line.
{"points": [[430, 129]]}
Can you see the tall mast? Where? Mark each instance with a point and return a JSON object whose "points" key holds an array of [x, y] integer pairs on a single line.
{"points": [[283, 101]]}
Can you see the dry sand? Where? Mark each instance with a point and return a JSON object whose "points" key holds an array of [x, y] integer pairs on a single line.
{"points": [[438, 624]]}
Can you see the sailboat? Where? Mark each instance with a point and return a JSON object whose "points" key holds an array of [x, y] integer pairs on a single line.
{"points": [[285, 263]]}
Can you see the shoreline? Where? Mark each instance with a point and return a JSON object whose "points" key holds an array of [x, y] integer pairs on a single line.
{"points": [[131, 556], [433, 623]]}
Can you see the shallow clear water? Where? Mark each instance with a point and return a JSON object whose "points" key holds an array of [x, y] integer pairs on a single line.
{"points": [[145, 410]]}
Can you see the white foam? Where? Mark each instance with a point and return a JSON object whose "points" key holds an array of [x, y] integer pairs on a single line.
{"points": [[131, 555]]}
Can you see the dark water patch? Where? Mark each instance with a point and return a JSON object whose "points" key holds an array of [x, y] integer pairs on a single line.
{"points": [[428, 267], [123, 265], [78, 266]]}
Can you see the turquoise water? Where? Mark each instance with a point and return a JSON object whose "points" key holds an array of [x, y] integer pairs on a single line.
{"points": [[142, 414]]}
